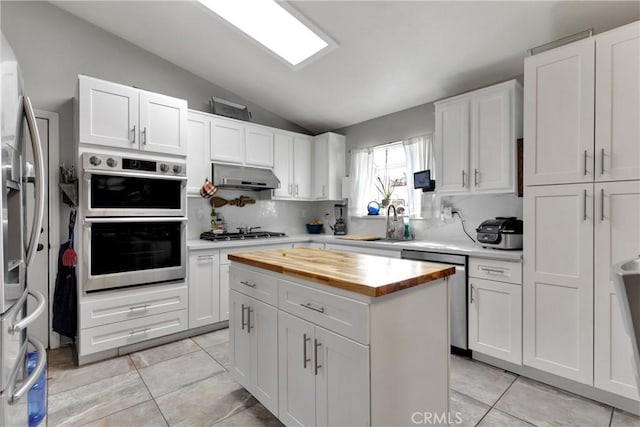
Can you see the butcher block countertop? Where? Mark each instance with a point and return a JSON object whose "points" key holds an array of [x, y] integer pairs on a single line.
{"points": [[369, 275]]}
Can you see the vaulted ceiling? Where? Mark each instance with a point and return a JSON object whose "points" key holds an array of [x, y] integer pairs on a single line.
{"points": [[392, 55]]}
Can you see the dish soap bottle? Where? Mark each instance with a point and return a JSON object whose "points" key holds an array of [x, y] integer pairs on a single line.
{"points": [[407, 232]]}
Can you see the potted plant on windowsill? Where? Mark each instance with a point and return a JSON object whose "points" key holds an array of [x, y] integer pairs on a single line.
{"points": [[386, 191]]}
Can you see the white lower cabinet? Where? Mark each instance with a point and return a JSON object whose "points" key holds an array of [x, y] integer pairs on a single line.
{"points": [[617, 218], [495, 319], [204, 292], [254, 347], [495, 308], [324, 377]]}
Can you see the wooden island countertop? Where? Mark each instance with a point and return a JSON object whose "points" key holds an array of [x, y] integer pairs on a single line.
{"points": [[369, 275]]}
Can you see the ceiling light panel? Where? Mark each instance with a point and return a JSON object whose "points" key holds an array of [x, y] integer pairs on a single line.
{"points": [[272, 26]]}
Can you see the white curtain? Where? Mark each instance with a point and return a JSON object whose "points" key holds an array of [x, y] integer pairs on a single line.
{"points": [[362, 177], [414, 151]]}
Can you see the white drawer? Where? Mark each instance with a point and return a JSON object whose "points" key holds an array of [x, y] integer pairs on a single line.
{"points": [[254, 284], [224, 253], [338, 314], [119, 334], [493, 269], [122, 305]]}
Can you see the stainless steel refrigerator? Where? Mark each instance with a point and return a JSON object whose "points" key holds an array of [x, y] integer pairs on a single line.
{"points": [[18, 239]]}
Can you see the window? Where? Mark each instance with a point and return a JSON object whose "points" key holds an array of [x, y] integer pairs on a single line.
{"points": [[394, 164]]}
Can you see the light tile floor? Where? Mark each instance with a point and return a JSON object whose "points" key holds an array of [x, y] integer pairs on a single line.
{"points": [[186, 383]]}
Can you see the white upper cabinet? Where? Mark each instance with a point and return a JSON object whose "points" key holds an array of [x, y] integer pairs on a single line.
{"points": [[258, 146], [328, 166], [120, 116], [283, 165], [163, 123], [233, 141], [475, 140], [617, 123], [198, 127], [452, 143], [562, 109], [292, 166], [227, 140], [558, 111]]}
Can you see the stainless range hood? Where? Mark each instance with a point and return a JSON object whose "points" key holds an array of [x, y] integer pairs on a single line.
{"points": [[243, 177]]}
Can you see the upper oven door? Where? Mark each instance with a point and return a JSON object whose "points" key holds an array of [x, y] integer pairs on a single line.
{"points": [[124, 193]]}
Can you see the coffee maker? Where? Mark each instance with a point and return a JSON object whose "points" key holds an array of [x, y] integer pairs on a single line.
{"points": [[340, 227]]}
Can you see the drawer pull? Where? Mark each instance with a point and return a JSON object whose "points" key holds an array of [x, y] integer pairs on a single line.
{"points": [[139, 332], [310, 307], [305, 338], [139, 307], [492, 270], [246, 283], [315, 356]]}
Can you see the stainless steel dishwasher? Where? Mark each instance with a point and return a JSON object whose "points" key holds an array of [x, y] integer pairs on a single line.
{"points": [[457, 291]]}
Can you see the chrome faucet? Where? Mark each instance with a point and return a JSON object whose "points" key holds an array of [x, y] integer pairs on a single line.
{"points": [[395, 218]]}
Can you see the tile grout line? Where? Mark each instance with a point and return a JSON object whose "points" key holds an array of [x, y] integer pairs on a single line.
{"points": [[611, 416], [498, 400], [149, 391]]}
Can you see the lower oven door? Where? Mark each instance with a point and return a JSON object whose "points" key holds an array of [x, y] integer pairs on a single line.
{"points": [[119, 252]]}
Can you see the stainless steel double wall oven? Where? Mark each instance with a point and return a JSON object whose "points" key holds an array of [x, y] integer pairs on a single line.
{"points": [[134, 221]]}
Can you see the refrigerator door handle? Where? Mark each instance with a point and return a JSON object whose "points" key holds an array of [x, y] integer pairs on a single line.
{"points": [[35, 374], [25, 321], [39, 179]]}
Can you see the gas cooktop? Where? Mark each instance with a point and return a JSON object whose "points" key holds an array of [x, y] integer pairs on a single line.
{"points": [[225, 237]]}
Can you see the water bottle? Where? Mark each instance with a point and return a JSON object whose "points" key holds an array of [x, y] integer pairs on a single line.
{"points": [[37, 396]]}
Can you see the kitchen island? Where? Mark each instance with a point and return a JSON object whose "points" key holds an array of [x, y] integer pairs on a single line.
{"points": [[336, 338]]}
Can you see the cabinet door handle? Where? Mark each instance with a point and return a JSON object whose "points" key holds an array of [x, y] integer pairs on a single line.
{"points": [[585, 162], [305, 338], [243, 322], [601, 204], [475, 177], [584, 217], [463, 184], [290, 189], [323, 189], [144, 134], [249, 311], [310, 307], [471, 293], [317, 366], [246, 283], [133, 134], [297, 190], [602, 161]]}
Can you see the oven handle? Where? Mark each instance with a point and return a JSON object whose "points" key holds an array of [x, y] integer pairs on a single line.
{"points": [[135, 219], [133, 174]]}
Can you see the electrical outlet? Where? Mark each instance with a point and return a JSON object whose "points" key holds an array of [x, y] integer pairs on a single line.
{"points": [[304, 213], [446, 213]]}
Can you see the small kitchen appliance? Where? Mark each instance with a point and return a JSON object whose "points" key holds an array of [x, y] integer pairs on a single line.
{"points": [[501, 233], [340, 227]]}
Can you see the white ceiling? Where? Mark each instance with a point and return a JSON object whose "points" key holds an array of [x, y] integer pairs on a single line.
{"points": [[392, 55]]}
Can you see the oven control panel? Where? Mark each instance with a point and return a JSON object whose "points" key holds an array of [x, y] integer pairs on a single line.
{"points": [[109, 162]]}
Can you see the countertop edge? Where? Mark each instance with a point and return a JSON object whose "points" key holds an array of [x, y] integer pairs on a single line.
{"points": [[338, 283]]}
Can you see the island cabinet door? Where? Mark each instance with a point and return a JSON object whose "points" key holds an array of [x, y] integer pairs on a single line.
{"points": [[296, 371], [262, 324], [240, 340], [342, 380]]}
